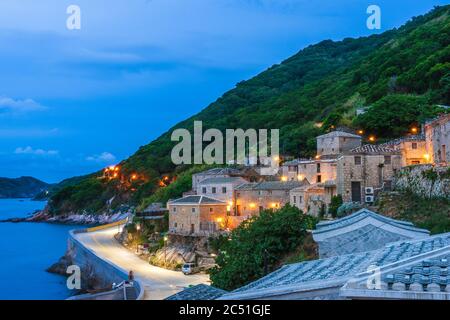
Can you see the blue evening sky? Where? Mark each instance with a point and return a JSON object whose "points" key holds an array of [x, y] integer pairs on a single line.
{"points": [[72, 102]]}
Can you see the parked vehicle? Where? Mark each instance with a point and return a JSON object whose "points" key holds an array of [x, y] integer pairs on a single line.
{"points": [[189, 268]]}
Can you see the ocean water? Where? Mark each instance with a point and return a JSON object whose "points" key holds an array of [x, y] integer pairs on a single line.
{"points": [[26, 251]]}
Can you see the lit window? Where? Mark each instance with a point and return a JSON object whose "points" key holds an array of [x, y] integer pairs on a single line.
{"points": [[414, 145]]}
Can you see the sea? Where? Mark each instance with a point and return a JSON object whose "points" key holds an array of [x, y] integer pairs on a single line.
{"points": [[27, 250]]}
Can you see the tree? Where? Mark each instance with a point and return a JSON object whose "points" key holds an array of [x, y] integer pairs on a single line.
{"points": [[336, 202], [258, 243]]}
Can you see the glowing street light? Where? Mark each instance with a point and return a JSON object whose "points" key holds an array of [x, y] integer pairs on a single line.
{"points": [[414, 130], [426, 157], [284, 178], [372, 139]]}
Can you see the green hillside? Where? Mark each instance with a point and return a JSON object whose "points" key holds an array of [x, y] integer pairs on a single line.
{"points": [[23, 187], [402, 74]]}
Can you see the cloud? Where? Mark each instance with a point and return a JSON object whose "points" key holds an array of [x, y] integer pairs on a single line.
{"points": [[104, 157], [37, 152], [10, 105]]}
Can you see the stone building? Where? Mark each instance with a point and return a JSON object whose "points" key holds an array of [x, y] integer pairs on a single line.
{"points": [[437, 133], [317, 170], [413, 149], [220, 188], [251, 198], [337, 142], [197, 216], [362, 231], [364, 171], [246, 173], [312, 199]]}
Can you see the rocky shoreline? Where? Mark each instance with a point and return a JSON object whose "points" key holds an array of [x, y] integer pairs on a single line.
{"points": [[71, 218]]}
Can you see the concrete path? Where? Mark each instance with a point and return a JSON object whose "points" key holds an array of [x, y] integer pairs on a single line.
{"points": [[159, 283]]}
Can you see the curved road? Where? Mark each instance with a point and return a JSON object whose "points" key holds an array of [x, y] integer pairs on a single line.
{"points": [[159, 283]]}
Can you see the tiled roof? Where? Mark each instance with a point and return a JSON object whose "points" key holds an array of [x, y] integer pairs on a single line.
{"points": [[270, 185], [198, 292], [374, 149], [418, 137], [338, 270], [421, 274], [196, 200], [339, 134], [326, 226], [219, 180]]}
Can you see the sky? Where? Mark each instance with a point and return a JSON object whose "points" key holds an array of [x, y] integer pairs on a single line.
{"points": [[75, 101]]}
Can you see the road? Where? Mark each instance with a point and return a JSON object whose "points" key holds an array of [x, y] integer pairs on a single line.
{"points": [[158, 283]]}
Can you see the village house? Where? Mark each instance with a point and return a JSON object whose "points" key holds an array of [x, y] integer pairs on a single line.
{"points": [[364, 171], [221, 188], [337, 142], [251, 198], [248, 174], [413, 149], [437, 133], [197, 215], [312, 199]]}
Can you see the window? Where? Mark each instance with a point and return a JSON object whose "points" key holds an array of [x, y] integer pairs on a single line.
{"points": [[174, 209], [414, 145], [387, 160], [204, 189], [357, 160], [214, 189], [175, 225], [319, 178], [295, 199], [193, 210], [318, 168], [300, 199], [224, 189], [211, 210]]}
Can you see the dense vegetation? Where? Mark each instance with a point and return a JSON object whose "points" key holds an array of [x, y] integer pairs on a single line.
{"points": [[259, 244], [23, 187], [402, 74], [429, 213]]}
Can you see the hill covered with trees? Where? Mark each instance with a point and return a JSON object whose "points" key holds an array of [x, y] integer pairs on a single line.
{"points": [[401, 75]]}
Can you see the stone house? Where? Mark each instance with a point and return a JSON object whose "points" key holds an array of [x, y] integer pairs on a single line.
{"points": [[364, 171], [362, 231], [413, 149], [197, 216], [313, 170], [220, 188], [337, 142], [313, 199], [248, 174], [251, 198], [437, 133]]}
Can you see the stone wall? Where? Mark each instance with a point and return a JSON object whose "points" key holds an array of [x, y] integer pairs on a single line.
{"points": [[94, 267], [425, 181]]}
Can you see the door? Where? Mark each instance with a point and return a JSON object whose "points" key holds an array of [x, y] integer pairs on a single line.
{"points": [[192, 228], [356, 191]]}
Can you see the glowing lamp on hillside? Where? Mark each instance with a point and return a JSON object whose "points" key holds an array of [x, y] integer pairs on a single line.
{"points": [[166, 178], [426, 157], [273, 205], [360, 132], [414, 130], [300, 177], [284, 178], [166, 238], [276, 158], [134, 177], [115, 175], [138, 227], [252, 206], [219, 220], [372, 139], [317, 157]]}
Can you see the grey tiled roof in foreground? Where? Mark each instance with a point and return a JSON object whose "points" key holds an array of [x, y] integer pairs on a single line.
{"points": [[198, 292], [326, 226], [424, 261], [196, 200]]}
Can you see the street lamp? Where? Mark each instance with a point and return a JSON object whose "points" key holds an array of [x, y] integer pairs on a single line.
{"points": [[165, 249], [138, 228]]}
